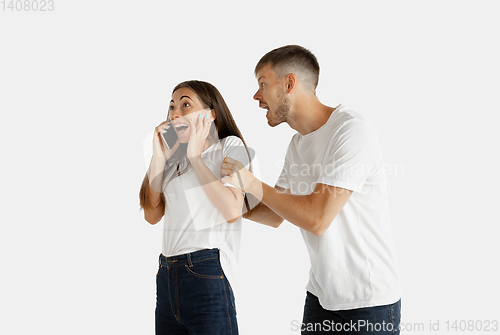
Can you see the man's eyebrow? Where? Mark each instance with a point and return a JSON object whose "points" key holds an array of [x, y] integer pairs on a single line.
{"points": [[260, 78]]}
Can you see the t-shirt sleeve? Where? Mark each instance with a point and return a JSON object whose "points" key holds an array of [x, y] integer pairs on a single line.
{"points": [[234, 148], [351, 156]]}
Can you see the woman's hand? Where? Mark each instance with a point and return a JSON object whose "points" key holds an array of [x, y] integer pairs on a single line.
{"points": [[160, 150], [199, 124]]}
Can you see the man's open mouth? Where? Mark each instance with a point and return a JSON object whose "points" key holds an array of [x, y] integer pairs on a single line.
{"points": [[264, 106]]}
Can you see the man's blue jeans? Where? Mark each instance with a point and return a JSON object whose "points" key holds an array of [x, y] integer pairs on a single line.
{"points": [[370, 320], [193, 296]]}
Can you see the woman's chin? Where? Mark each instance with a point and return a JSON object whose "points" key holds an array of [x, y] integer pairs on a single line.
{"points": [[183, 139]]}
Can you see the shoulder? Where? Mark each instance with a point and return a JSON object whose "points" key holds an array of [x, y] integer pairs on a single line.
{"points": [[232, 140], [348, 123], [232, 145]]}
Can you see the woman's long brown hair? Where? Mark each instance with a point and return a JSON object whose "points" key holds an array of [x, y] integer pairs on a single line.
{"points": [[225, 125]]}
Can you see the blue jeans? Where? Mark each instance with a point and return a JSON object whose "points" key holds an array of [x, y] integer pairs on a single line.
{"points": [[370, 320], [193, 296]]}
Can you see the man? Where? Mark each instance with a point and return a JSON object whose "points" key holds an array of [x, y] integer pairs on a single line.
{"points": [[332, 186]]}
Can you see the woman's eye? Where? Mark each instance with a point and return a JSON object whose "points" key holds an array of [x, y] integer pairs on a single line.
{"points": [[171, 107], [262, 85], [186, 104]]}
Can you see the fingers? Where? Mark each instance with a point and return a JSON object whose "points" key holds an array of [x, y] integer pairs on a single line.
{"points": [[204, 125], [225, 170], [228, 168], [205, 121], [200, 122], [233, 163], [192, 124], [162, 127], [231, 160]]}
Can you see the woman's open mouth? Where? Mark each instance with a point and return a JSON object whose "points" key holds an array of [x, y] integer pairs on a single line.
{"points": [[181, 127]]}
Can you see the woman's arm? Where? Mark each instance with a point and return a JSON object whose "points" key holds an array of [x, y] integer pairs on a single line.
{"points": [[151, 196], [155, 208], [154, 214], [227, 200]]}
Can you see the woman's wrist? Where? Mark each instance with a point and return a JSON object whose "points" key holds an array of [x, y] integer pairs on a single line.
{"points": [[196, 161], [159, 158]]}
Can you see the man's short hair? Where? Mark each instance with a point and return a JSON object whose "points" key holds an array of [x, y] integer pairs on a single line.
{"points": [[292, 59]]}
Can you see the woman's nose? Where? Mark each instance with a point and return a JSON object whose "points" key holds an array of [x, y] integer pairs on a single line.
{"points": [[174, 115]]}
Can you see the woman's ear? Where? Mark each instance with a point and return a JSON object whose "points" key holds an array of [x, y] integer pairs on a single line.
{"points": [[213, 114]]}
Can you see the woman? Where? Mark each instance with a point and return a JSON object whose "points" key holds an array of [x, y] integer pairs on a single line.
{"points": [[202, 221]]}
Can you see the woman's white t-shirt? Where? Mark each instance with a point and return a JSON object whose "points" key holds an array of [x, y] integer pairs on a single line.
{"points": [[191, 221]]}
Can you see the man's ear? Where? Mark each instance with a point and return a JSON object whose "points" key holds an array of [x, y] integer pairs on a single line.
{"points": [[291, 82]]}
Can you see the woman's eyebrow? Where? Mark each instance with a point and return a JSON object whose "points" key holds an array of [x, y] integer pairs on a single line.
{"points": [[184, 96]]}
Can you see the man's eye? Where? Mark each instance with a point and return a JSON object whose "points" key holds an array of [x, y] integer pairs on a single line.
{"points": [[171, 107], [262, 85]]}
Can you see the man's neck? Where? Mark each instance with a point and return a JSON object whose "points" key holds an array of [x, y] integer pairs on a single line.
{"points": [[309, 115]]}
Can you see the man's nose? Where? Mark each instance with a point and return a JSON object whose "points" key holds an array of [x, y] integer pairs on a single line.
{"points": [[257, 96]]}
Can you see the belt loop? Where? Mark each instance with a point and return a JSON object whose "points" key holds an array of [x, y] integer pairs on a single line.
{"points": [[189, 260], [159, 260]]}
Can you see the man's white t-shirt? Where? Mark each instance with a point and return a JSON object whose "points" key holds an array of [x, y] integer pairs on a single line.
{"points": [[191, 221], [353, 264]]}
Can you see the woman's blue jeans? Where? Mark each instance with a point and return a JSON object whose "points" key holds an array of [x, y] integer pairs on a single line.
{"points": [[193, 296]]}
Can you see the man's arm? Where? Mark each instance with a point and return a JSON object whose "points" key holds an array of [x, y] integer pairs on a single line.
{"points": [[313, 213], [264, 215]]}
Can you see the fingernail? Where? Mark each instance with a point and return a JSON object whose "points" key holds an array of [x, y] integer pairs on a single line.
{"points": [[164, 130], [191, 119], [206, 116]]}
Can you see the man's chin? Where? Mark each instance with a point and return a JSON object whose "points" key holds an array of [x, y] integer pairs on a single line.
{"points": [[273, 123]]}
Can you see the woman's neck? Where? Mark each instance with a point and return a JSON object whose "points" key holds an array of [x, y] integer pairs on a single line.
{"points": [[208, 143]]}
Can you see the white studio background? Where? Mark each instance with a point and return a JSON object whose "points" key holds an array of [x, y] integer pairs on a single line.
{"points": [[82, 86]]}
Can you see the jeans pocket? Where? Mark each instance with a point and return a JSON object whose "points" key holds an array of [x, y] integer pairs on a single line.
{"points": [[159, 268], [207, 269]]}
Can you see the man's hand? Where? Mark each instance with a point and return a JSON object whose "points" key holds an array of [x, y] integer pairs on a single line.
{"points": [[313, 212], [235, 173]]}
